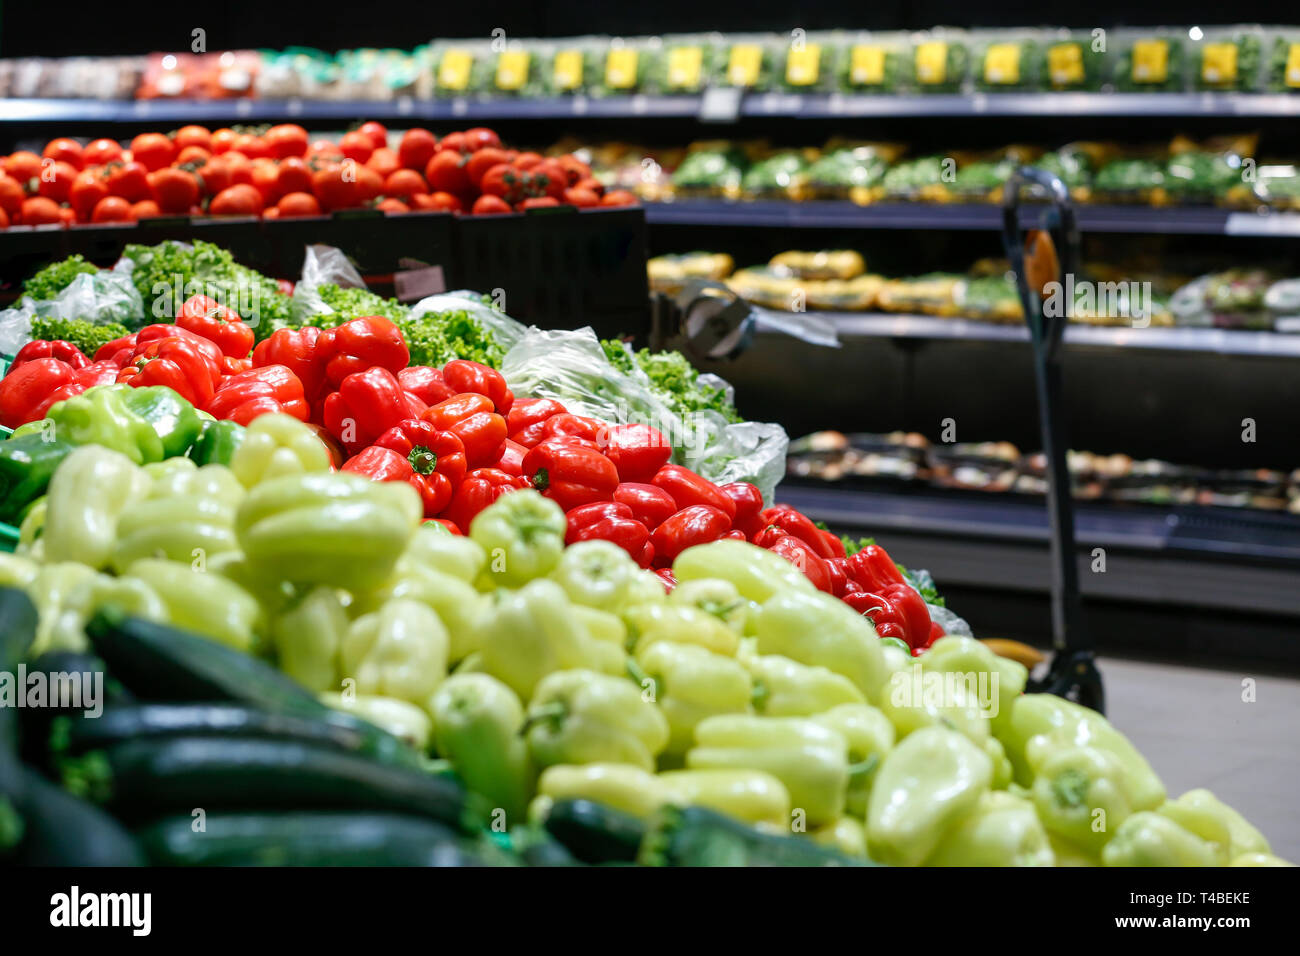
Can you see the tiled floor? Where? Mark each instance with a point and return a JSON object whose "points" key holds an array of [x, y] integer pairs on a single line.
{"points": [[1197, 731]]}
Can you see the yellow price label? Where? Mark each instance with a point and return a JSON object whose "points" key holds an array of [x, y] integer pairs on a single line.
{"points": [[1065, 64], [620, 69], [512, 69], [744, 64], [567, 71], [867, 65], [453, 72], [1002, 64], [1293, 65], [685, 64], [931, 62], [1219, 64], [1150, 61], [802, 65]]}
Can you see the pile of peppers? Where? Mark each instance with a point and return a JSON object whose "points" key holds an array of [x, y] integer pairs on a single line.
{"points": [[460, 438]]}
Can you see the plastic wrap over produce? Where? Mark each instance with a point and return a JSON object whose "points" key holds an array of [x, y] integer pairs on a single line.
{"points": [[571, 368], [96, 297], [503, 328], [321, 265]]}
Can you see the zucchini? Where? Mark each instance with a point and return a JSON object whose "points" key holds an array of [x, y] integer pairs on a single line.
{"points": [[695, 836], [139, 779], [58, 667], [62, 830], [304, 839], [594, 833], [17, 632], [536, 847], [334, 730]]}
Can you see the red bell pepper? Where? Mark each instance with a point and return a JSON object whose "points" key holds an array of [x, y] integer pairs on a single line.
{"points": [[798, 552], [838, 577], [916, 616], [608, 521], [109, 351], [206, 317], [163, 330], [666, 575], [694, 524], [437, 457], [886, 618], [233, 366], [426, 383], [524, 423], [368, 342], [735, 534], [295, 349], [449, 525], [470, 417], [569, 473], [873, 569], [512, 458], [259, 391], [337, 455], [749, 502], [383, 464], [466, 376], [687, 488], [584, 430], [650, 504], [177, 363], [366, 405], [794, 522], [833, 542], [481, 487], [56, 349], [637, 451], [936, 632], [25, 393]]}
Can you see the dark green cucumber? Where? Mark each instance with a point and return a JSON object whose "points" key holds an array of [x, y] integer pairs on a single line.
{"points": [[304, 839], [74, 684], [62, 830], [594, 833], [333, 729], [160, 663], [139, 779], [17, 632], [536, 847], [696, 836]]}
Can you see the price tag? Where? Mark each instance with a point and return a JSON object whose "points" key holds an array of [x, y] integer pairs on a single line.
{"points": [[620, 69], [931, 63], [685, 64], [512, 69], [459, 106], [580, 105], [744, 63], [1065, 64], [454, 70], [405, 106], [567, 70], [412, 285], [1219, 64], [720, 104], [1293, 65], [867, 65], [293, 106], [1002, 64], [1150, 61], [243, 107], [802, 65]]}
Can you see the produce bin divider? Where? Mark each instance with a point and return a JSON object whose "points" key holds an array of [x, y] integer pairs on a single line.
{"points": [[1072, 672]]}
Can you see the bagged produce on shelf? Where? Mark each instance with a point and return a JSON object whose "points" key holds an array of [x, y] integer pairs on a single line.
{"points": [[1150, 61], [1228, 58], [519, 69], [670, 273], [1007, 61], [875, 63], [809, 63], [750, 61], [574, 66], [848, 171], [1205, 172], [940, 61], [1073, 60], [777, 176], [1282, 68], [714, 168], [624, 65], [687, 63]]}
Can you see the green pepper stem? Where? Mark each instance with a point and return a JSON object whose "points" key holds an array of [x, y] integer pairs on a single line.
{"points": [[864, 768], [423, 461], [541, 480], [637, 673], [555, 710]]}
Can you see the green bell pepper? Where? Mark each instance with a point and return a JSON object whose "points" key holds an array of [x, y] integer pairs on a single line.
{"points": [[1002, 830], [650, 623], [202, 602], [217, 442], [307, 636], [870, 737], [1149, 839], [459, 605], [818, 629], [27, 464], [1242, 837], [757, 574], [17, 571], [88, 492], [690, 684], [68, 594], [522, 534], [478, 723], [596, 574], [188, 515], [527, 634], [786, 688], [325, 528], [433, 547], [1004, 678], [174, 420], [276, 446], [622, 786], [398, 651], [581, 716], [145, 424], [719, 598], [811, 760], [400, 718], [1083, 795], [933, 778], [749, 795], [846, 835]]}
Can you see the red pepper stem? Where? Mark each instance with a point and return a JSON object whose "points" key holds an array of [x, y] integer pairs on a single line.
{"points": [[541, 480], [423, 461]]}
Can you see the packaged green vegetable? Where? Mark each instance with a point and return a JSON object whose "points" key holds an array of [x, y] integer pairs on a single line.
{"points": [[1151, 63], [1228, 59], [874, 63], [940, 61], [1007, 62], [1073, 61]]}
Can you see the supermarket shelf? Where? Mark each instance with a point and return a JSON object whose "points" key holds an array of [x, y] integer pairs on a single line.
{"points": [[1192, 557], [1217, 341], [811, 105], [841, 214]]}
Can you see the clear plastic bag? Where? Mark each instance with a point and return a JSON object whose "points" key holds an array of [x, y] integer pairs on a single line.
{"points": [[99, 297], [16, 327], [571, 368], [503, 328], [321, 265]]}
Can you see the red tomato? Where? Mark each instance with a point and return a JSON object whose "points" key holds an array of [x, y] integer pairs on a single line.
{"points": [[438, 202], [266, 176], [4, 219], [199, 136], [67, 216], [238, 200], [174, 190], [11, 196], [145, 209], [192, 155], [254, 147], [446, 173], [377, 132], [152, 150], [223, 140], [582, 198], [99, 152], [417, 148], [130, 181], [87, 190], [480, 137], [403, 183], [40, 211], [490, 205], [56, 180], [549, 176], [619, 197], [214, 176], [595, 185], [23, 165], [297, 204], [65, 150], [294, 176], [384, 161], [483, 160], [527, 160], [356, 146], [393, 205], [538, 202], [453, 143], [287, 139], [113, 209]]}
